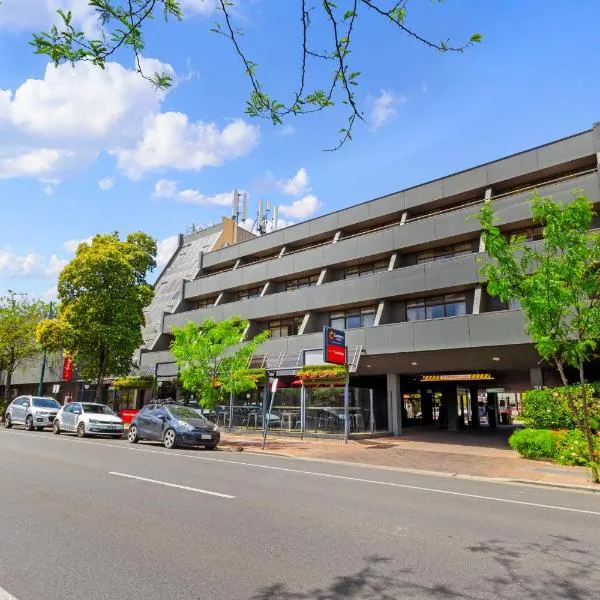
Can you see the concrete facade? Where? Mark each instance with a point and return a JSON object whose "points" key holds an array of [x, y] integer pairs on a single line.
{"points": [[400, 231]]}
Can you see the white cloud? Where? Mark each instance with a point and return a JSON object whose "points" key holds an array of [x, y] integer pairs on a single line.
{"points": [[383, 108], [165, 249], [106, 183], [40, 162], [168, 189], [31, 15], [29, 265], [202, 7], [287, 129], [298, 184], [301, 209], [72, 245], [50, 295], [170, 140]]}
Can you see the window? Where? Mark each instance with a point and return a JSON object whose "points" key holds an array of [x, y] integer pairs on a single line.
{"points": [[25, 402], [451, 305], [353, 318], [248, 293], [531, 234], [445, 252], [206, 302], [365, 269], [301, 282], [285, 327]]}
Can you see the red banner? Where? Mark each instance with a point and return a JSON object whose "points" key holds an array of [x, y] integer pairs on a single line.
{"points": [[67, 371]]}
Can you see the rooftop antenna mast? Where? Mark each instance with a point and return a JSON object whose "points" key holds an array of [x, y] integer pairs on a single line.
{"points": [[235, 211], [265, 223]]}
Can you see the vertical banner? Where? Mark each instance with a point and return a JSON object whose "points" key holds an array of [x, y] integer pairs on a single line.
{"points": [[67, 370]]}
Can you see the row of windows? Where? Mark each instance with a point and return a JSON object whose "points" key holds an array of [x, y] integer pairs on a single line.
{"points": [[248, 293], [285, 327], [444, 253], [366, 269], [353, 318], [302, 282], [450, 305]]}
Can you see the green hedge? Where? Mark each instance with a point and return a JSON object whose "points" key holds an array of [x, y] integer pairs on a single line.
{"points": [[567, 447], [534, 443], [548, 408]]}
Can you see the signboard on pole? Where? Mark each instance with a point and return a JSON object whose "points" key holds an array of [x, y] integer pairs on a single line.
{"points": [[55, 388], [334, 346]]}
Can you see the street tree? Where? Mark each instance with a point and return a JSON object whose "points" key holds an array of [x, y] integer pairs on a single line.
{"points": [[19, 317], [102, 294], [213, 358], [557, 283], [326, 33]]}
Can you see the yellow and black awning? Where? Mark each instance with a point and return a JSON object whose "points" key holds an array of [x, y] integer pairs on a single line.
{"points": [[458, 377]]}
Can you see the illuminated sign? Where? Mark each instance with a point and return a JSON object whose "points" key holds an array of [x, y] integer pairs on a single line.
{"points": [[334, 346], [458, 377]]}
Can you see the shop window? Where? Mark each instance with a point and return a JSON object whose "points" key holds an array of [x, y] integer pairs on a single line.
{"points": [[366, 269], [302, 282], [354, 318], [451, 305], [444, 253], [285, 327]]}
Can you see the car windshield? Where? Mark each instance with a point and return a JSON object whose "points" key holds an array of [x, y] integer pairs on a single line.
{"points": [[184, 412], [45, 403], [97, 409]]}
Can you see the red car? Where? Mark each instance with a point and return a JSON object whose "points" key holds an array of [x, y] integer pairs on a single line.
{"points": [[128, 414]]}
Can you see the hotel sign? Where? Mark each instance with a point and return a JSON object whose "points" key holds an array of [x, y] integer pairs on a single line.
{"points": [[458, 377], [334, 346]]}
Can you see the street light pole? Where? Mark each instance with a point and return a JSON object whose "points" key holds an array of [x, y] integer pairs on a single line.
{"points": [[45, 358]]}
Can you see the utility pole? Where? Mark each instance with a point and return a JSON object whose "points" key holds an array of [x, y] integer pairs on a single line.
{"points": [[45, 357]]}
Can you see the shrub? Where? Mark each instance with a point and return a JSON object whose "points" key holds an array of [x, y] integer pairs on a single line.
{"points": [[548, 408], [534, 443], [4, 402], [572, 448]]}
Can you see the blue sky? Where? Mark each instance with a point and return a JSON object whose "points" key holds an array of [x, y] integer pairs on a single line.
{"points": [[84, 151]]}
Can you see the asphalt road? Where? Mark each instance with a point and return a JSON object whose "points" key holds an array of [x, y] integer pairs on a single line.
{"points": [[100, 519]]}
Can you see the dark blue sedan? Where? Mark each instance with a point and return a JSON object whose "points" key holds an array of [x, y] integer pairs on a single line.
{"points": [[173, 425]]}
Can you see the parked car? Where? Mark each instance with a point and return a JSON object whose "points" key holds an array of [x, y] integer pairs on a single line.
{"points": [[88, 418], [33, 412], [173, 425]]}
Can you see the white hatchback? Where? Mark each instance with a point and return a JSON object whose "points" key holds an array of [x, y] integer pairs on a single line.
{"points": [[88, 418]]}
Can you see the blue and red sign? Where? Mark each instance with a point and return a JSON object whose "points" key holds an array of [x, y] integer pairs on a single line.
{"points": [[334, 346]]}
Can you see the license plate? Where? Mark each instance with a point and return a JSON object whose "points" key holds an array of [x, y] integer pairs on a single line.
{"points": [[206, 436]]}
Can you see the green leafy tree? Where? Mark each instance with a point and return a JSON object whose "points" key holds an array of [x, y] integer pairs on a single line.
{"points": [[557, 284], [213, 359], [326, 35], [102, 294], [19, 317]]}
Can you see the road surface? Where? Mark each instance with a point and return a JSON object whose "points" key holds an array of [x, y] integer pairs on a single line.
{"points": [[104, 519]]}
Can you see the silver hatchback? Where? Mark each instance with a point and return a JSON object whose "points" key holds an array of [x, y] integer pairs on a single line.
{"points": [[33, 412]]}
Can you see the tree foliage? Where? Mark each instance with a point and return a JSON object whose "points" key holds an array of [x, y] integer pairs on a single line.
{"points": [[19, 316], [102, 294], [557, 284], [213, 359], [123, 23]]}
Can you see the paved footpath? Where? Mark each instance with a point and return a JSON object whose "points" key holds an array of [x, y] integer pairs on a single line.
{"points": [[482, 454]]}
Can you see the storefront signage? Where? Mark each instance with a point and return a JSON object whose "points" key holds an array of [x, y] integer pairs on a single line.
{"points": [[459, 377], [67, 371], [334, 346]]}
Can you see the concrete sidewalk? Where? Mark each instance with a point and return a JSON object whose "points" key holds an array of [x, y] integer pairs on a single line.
{"points": [[480, 454]]}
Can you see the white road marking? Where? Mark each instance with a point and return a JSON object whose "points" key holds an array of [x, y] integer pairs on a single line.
{"points": [[4, 595], [173, 485], [325, 475]]}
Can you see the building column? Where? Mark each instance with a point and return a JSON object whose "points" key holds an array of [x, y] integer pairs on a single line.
{"points": [[449, 399], [474, 395], [426, 406], [536, 378], [492, 409], [394, 404]]}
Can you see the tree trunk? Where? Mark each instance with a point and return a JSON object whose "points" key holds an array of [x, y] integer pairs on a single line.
{"points": [[587, 430], [101, 369], [8, 383]]}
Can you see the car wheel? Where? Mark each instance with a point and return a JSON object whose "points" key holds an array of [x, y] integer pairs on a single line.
{"points": [[170, 439], [29, 423], [7, 421], [81, 430], [211, 447], [56, 427], [132, 435]]}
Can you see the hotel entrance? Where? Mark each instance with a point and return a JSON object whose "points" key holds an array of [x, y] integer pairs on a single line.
{"points": [[449, 401]]}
